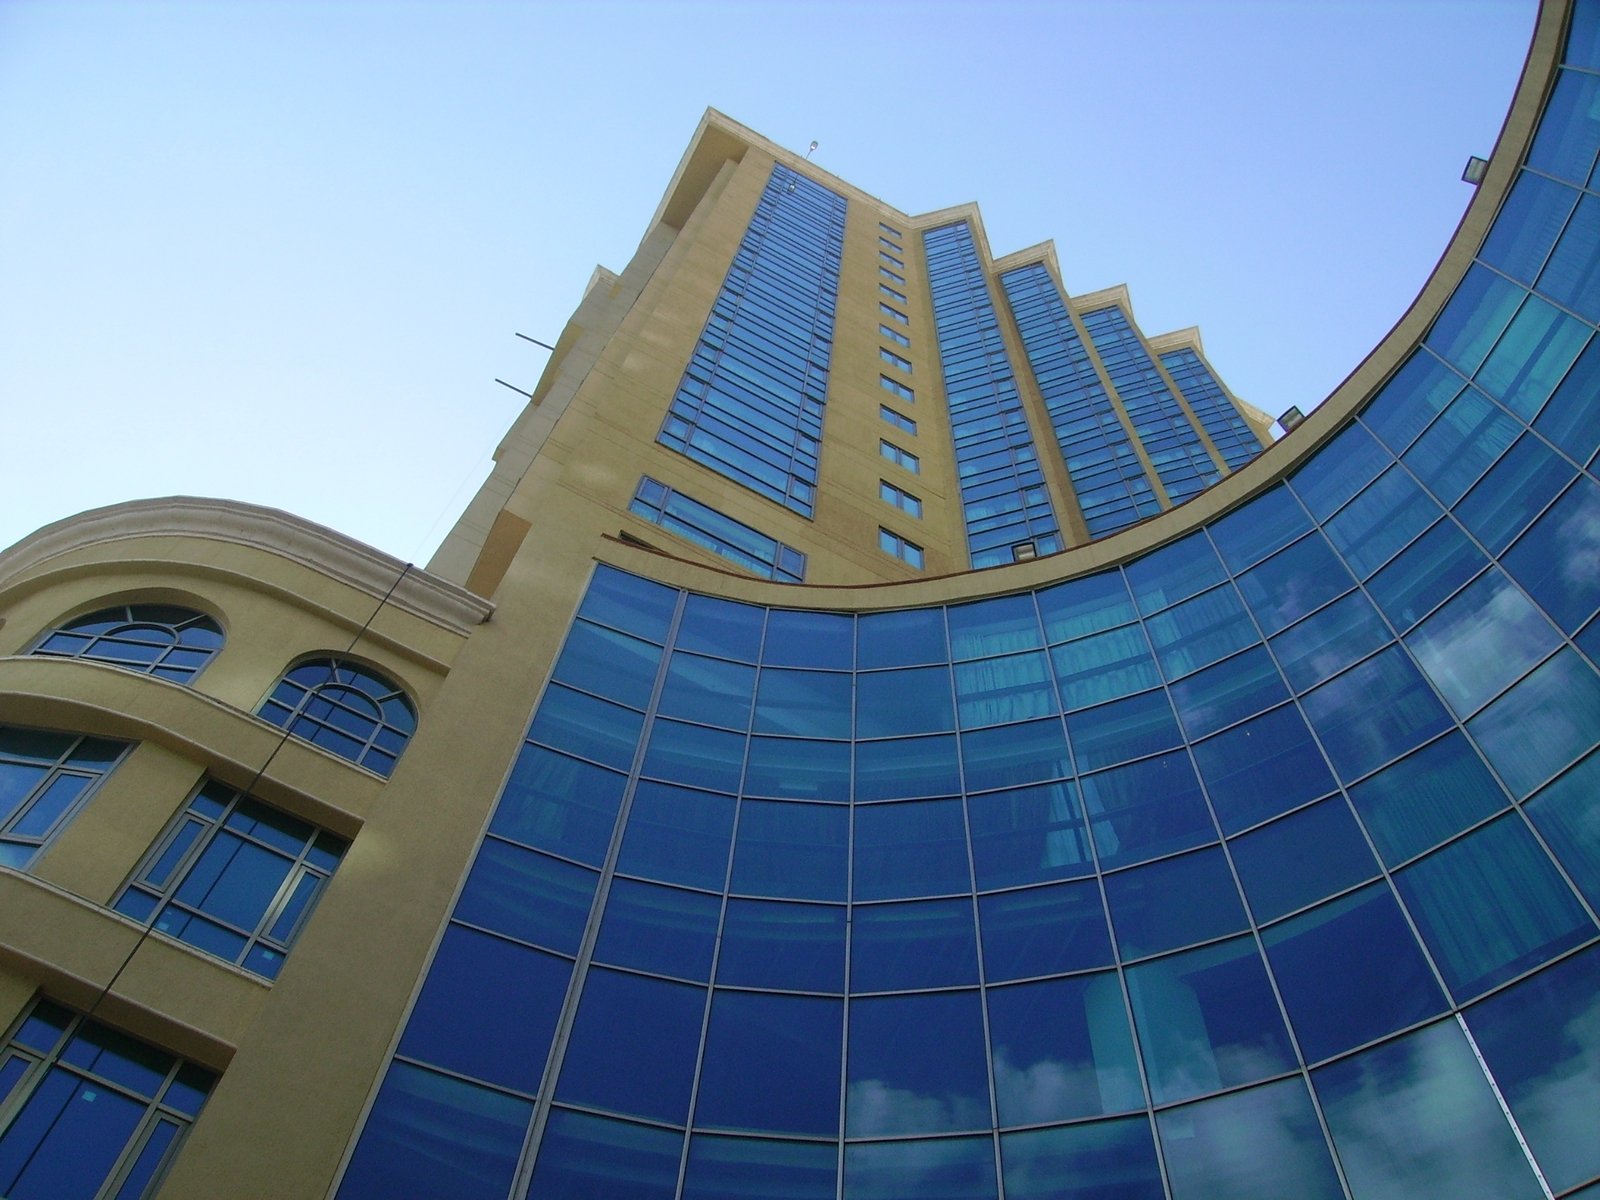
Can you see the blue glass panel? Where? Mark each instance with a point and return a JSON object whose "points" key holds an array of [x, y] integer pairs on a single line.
{"points": [[913, 848], [1541, 724], [1207, 1019], [118, 1057], [1461, 444], [1174, 573], [590, 728], [891, 703], [900, 639], [1374, 712], [906, 767], [809, 639], [66, 1139], [143, 1169], [633, 1045], [926, 943], [729, 1168], [1425, 798], [1572, 417], [1261, 1144], [798, 768], [708, 690], [461, 1021], [1123, 730], [684, 753], [804, 703], [1004, 755], [1062, 1049], [1085, 606], [677, 835], [1028, 835], [713, 626], [629, 603], [1532, 356], [583, 1155], [233, 881], [772, 1064], [1381, 520], [1515, 490], [1350, 972], [896, 1086], [1416, 1117], [1254, 530], [1174, 902], [995, 691], [990, 627], [1292, 583], [1233, 689], [1100, 1160], [1569, 131], [1199, 631], [1480, 641], [1474, 318], [1146, 809], [1572, 276], [608, 664], [796, 850], [1564, 813], [948, 1169], [559, 804], [1541, 1039], [430, 1135], [529, 896], [1555, 559], [1491, 906], [1332, 639], [770, 944], [1530, 221], [660, 929], [1305, 857], [1419, 390], [1043, 930], [1104, 666], [1345, 465]]}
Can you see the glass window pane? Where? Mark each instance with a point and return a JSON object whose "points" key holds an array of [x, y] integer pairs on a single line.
{"points": [[996, 691], [1005, 755], [1527, 477], [1174, 573], [1327, 642], [800, 851], [1423, 574], [1123, 730], [713, 626], [1381, 520], [728, 1168], [1146, 809], [798, 768], [948, 1169], [809, 639], [990, 627], [1419, 390], [1572, 417], [609, 664], [1085, 606], [1532, 357], [906, 767], [629, 603], [1542, 723], [1254, 530], [1104, 1160], [1564, 813], [900, 639], [1529, 223], [1555, 559], [1293, 582], [1227, 692], [1042, 931], [1175, 902], [1305, 857], [1028, 835], [1062, 1049], [584, 1155], [660, 929], [891, 703], [1261, 1144], [684, 753], [633, 1045], [1570, 278], [708, 690], [587, 727], [1261, 768], [529, 896], [771, 944], [896, 1086], [1480, 641], [1103, 667], [1374, 712], [928, 943], [1473, 318], [1199, 631], [1345, 465], [804, 703], [772, 1064], [559, 804], [913, 848], [677, 835], [1425, 798]]}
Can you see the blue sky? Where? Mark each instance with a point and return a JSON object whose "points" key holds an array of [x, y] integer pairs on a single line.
{"points": [[277, 252]]}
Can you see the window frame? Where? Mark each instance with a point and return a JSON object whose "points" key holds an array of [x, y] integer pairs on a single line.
{"points": [[900, 499], [64, 767], [897, 389], [893, 313], [131, 616], [903, 549], [899, 456], [396, 700]]}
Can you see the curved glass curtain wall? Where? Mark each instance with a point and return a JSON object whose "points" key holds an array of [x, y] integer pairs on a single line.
{"points": [[1264, 865]]}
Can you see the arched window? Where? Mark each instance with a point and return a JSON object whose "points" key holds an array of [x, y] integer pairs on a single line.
{"points": [[155, 639], [344, 708]]}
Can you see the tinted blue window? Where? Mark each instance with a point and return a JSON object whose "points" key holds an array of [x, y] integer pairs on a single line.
{"points": [[1528, 225], [804, 703], [629, 603], [1534, 354], [1480, 641], [1028, 835], [1382, 1108], [1570, 277], [660, 929], [926, 943], [713, 626], [1042, 931], [1265, 1142], [608, 663], [797, 768], [890, 703], [1254, 530], [1004, 755], [1419, 390], [1553, 560], [767, 943], [584, 1155], [1207, 1020], [678, 835], [706, 758], [1292, 583], [1125, 729], [796, 850], [1330, 640], [529, 896], [1461, 444], [949, 1169], [1381, 520], [1572, 417], [633, 1046], [1174, 902], [589, 728], [1473, 318], [1233, 689], [900, 639], [1148, 808], [1374, 712], [1305, 857], [461, 1021], [1199, 631], [993, 691], [1541, 724], [1062, 1050], [807, 639], [1261, 768], [772, 1064], [1514, 491], [1562, 812], [1174, 573], [1350, 971], [708, 690], [913, 848], [411, 1142], [992, 627], [1425, 798], [1085, 606], [896, 1086], [1105, 1160], [736, 1168], [1345, 465], [1104, 666], [1427, 571], [906, 767]]}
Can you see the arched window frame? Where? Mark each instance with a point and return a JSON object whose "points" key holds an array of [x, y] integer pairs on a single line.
{"points": [[177, 642], [345, 707]]}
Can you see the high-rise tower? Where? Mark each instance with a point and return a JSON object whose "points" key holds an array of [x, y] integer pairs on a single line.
{"points": [[700, 823]]}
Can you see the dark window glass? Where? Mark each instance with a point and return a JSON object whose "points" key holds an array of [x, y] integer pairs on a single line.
{"points": [[1542, 723], [527, 895], [1554, 560], [584, 1155], [676, 835], [1564, 814], [1146, 809], [1530, 221], [926, 943], [772, 1064], [948, 1169], [629, 603], [1532, 356], [1381, 520], [1174, 573], [1461, 444], [1374, 712], [1383, 1108], [1342, 468], [45, 778], [896, 1086], [796, 850], [1526, 478], [1481, 641], [729, 1168], [1293, 582], [904, 767], [1260, 1144], [1261, 768], [913, 848], [609, 664], [1233, 689], [1302, 858], [992, 627], [559, 804], [153, 639], [1105, 1160], [1085, 606], [1254, 530], [1002, 691], [1123, 730], [891, 703], [461, 1020], [1199, 631], [1043, 931], [347, 709], [1062, 1049], [1572, 417], [900, 639], [1104, 666], [1473, 318], [807, 639], [1425, 798], [1571, 277], [690, 754], [1174, 902], [798, 769], [1330, 640], [633, 1046], [1423, 574], [1421, 389], [1350, 971], [590, 728], [770, 944], [1028, 835], [1005, 755], [662, 929]]}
